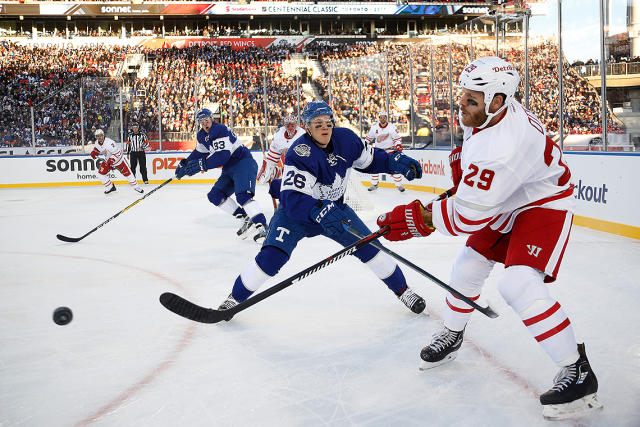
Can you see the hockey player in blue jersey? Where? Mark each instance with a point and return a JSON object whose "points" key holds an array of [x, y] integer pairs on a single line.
{"points": [[316, 171], [218, 146]]}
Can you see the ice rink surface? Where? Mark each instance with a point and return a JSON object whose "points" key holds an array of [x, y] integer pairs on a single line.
{"points": [[337, 349]]}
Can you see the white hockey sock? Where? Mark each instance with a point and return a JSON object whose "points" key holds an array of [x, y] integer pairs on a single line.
{"points": [[550, 326], [253, 277], [374, 179], [458, 312], [106, 181], [228, 205], [382, 265], [252, 208]]}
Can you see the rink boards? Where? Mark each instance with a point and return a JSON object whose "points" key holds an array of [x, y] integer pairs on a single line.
{"points": [[605, 183]]}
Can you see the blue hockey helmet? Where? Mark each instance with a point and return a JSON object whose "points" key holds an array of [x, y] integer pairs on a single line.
{"points": [[204, 114], [315, 109]]}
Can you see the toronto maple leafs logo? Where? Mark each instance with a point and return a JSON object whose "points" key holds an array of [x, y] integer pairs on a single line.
{"points": [[302, 150], [332, 160]]}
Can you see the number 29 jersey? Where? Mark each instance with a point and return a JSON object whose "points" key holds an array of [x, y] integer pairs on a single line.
{"points": [[507, 168]]}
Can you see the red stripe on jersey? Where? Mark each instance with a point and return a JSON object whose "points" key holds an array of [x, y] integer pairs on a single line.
{"points": [[471, 222], [552, 332], [561, 195], [535, 319], [445, 218], [459, 310]]}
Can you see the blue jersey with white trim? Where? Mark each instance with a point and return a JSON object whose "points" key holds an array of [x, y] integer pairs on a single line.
{"points": [[312, 173], [219, 146]]}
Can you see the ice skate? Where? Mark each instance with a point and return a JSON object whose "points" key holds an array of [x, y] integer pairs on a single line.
{"points": [[412, 300], [243, 231], [260, 233], [146, 182], [573, 392], [373, 187], [401, 188], [443, 348], [230, 302], [139, 189], [111, 190]]}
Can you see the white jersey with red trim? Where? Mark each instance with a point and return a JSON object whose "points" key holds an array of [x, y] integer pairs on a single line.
{"points": [[281, 143], [110, 150], [507, 168], [385, 137]]}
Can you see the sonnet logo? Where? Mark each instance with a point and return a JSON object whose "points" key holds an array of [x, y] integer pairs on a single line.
{"points": [[166, 163]]}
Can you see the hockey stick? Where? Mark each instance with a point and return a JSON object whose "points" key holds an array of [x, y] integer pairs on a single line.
{"points": [[487, 311], [189, 310], [77, 239]]}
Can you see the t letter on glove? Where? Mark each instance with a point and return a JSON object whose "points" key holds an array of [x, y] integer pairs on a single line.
{"points": [[405, 165], [405, 222]]}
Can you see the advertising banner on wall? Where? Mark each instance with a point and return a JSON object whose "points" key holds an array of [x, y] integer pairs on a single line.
{"points": [[233, 8]]}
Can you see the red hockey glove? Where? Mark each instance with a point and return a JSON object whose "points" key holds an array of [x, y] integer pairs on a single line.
{"points": [[456, 168], [111, 162], [405, 222], [94, 153], [104, 168]]}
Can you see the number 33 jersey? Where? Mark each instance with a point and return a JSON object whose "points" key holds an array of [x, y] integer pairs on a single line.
{"points": [[219, 146], [507, 168]]}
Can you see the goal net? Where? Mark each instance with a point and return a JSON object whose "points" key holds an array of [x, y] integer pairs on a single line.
{"points": [[356, 194]]}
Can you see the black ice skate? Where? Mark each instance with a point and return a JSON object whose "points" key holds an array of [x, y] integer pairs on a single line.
{"points": [[139, 190], [573, 392], [260, 233], [373, 187], [111, 190], [443, 348], [401, 189], [227, 304], [412, 300], [243, 231]]}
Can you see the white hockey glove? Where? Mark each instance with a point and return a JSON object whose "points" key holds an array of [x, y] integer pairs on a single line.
{"points": [[267, 172]]}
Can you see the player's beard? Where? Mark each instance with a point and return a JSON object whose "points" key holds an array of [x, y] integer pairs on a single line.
{"points": [[473, 119]]}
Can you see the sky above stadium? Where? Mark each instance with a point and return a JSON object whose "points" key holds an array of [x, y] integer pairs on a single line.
{"points": [[580, 25]]}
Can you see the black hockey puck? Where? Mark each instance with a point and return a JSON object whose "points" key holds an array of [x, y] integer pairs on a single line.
{"points": [[62, 315]]}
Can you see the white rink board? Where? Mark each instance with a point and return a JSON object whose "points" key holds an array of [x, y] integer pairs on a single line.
{"points": [[614, 175]]}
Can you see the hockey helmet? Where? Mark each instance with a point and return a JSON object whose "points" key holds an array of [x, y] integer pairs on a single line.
{"points": [[383, 113], [491, 75], [204, 114], [98, 132], [315, 109]]}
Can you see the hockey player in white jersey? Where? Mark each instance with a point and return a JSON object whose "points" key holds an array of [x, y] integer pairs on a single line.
{"points": [[384, 135], [282, 140], [113, 159], [514, 200]]}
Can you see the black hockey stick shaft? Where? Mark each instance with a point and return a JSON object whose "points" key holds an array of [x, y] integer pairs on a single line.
{"points": [[184, 308], [77, 239], [487, 311]]}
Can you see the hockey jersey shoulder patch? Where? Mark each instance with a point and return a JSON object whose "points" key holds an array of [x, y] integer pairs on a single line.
{"points": [[302, 150]]}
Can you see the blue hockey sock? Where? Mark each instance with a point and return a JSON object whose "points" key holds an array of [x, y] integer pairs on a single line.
{"points": [[396, 282]]}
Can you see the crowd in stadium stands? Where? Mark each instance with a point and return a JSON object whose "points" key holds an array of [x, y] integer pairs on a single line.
{"points": [[187, 79]]}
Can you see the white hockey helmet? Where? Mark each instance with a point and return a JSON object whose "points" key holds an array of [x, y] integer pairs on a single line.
{"points": [[383, 113], [491, 75], [99, 132]]}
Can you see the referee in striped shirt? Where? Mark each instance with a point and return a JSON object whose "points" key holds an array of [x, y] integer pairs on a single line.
{"points": [[137, 142]]}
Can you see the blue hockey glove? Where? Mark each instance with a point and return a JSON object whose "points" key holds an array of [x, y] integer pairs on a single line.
{"points": [[195, 166], [405, 165], [180, 169], [329, 216]]}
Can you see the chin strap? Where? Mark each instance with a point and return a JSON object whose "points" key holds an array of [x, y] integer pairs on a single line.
{"points": [[491, 116]]}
